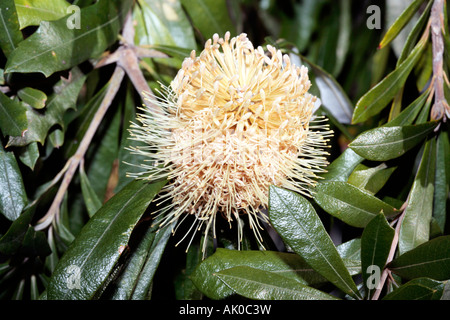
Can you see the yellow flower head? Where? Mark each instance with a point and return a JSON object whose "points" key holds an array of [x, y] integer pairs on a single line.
{"points": [[234, 121]]}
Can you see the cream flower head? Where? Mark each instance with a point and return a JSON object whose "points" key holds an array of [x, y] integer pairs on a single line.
{"points": [[234, 121]]}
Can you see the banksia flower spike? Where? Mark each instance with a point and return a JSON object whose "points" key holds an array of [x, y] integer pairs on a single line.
{"points": [[234, 121]]}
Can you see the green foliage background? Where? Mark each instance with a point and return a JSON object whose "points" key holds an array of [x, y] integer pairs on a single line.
{"points": [[73, 226]]}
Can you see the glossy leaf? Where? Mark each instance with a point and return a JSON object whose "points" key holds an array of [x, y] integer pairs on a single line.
{"points": [[386, 143], [100, 243], [31, 13], [13, 197], [288, 265], [430, 259], [418, 289], [376, 243], [13, 118], [33, 97], [341, 168], [370, 179], [55, 47], [298, 224], [258, 284], [10, 35], [162, 23], [144, 282], [415, 227], [333, 97], [379, 96], [409, 114], [209, 16], [350, 204], [441, 180], [12, 240], [400, 22]]}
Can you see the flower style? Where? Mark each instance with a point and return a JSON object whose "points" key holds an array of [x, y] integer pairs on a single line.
{"points": [[234, 121]]}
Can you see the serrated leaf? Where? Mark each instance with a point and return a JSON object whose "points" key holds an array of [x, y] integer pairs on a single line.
{"points": [[379, 96], [99, 245], [370, 179], [13, 118], [13, 197], [418, 289], [298, 224], [400, 22], [11, 241], [209, 16], [376, 243], [386, 143], [32, 12], [415, 227], [350, 204], [10, 35], [430, 259], [40, 121], [55, 46], [258, 284]]}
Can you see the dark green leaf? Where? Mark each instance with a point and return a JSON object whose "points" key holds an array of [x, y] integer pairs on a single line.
{"points": [[407, 116], [11, 241], [350, 204], [10, 34], [341, 168], [296, 221], [430, 259], [386, 143], [13, 197], [13, 118], [376, 243], [418, 289], [90, 198], [55, 47], [100, 243], [442, 176], [144, 281], [400, 23], [370, 179], [29, 154], [209, 16], [258, 284], [379, 96], [287, 265], [415, 227]]}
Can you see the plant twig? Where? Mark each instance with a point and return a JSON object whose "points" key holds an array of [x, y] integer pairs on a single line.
{"points": [[75, 160], [440, 107]]}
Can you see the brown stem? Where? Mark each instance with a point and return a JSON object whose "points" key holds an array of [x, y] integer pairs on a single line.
{"points": [[440, 106], [74, 161]]}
